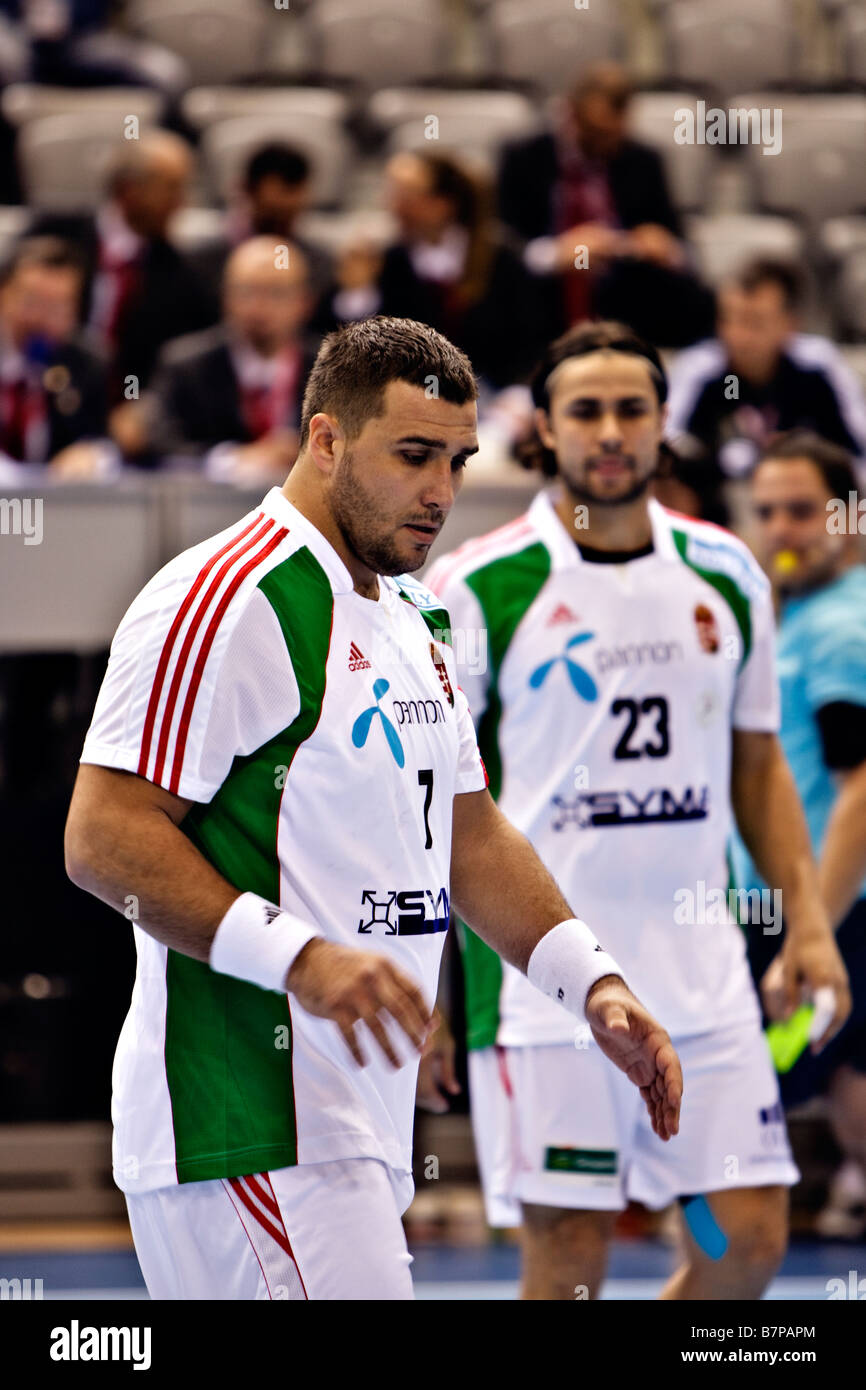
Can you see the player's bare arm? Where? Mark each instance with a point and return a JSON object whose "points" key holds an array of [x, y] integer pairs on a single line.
{"points": [[504, 892], [123, 838], [773, 826]]}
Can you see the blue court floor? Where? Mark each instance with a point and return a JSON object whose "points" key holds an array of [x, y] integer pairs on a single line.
{"points": [[638, 1270]]}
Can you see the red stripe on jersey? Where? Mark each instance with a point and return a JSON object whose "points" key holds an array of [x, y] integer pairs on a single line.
{"points": [[471, 549], [207, 643], [279, 1236], [168, 644], [189, 639]]}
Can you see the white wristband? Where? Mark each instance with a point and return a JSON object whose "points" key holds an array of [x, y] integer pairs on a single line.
{"points": [[566, 963], [258, 942]]}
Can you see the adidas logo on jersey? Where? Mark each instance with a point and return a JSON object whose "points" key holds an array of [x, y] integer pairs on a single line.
{"points": [[561, 614], [357, 659]]}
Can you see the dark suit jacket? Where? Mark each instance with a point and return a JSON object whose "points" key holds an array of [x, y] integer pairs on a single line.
{"points": [[76, 395], [529, 172], [172, 301], [198, 394]]}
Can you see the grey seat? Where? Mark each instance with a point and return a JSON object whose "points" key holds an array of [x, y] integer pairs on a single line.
{"points": [[64, 159], [218, 40], [733, 46], [547, 43], [689, 167], [820, 171], [379, 42], [723, 241], [226, 145], [28, 101], [316, 106], [473, 124]]}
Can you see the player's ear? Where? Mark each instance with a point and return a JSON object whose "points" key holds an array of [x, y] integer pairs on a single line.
{"points": [[324, 442], [542, 424]]}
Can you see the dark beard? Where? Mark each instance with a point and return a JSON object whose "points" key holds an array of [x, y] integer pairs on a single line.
{"points": [[357, 516], [638, 489]]}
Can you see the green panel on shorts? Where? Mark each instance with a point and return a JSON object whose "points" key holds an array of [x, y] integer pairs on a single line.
{"points": [[505, 589], [602, 1162], [228, 1044], [724, 585]]}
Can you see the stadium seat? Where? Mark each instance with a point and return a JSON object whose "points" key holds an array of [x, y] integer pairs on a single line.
{"points": [[227, 144], [331, 231], [853, 43], [379, 42], [820, 171], [27, 101], [474, 124], [63, 160], [308, 106], [548, 43], [724, 241], [218, 42], [732, 46], [688, 167]]}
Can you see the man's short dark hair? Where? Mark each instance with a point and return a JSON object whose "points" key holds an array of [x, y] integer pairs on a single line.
{"points": [[355, 364], [769, 270], [833, 462], [277, 160], [596, 337], [50, 252]]}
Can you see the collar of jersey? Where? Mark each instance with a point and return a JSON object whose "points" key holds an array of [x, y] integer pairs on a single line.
{"points": [[563, 549], [277, 505]]}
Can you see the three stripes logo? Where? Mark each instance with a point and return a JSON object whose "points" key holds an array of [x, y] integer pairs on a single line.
{"points": [[357, 659]]}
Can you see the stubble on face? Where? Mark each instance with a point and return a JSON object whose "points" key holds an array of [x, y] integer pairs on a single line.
{"points": [[358, 513]]}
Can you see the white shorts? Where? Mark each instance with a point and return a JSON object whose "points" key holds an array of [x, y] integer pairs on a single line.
{"points": [[319, 1230], [560, 1126]]}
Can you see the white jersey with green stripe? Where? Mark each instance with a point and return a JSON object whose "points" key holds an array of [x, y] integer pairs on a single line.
{"points": [[605, 695], [322, 738]]}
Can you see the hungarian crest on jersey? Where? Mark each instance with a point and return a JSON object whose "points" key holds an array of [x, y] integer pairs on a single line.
{"points": [[442, 673]]}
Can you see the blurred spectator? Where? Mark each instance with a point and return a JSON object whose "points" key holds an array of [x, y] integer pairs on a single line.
{"points": [[688, 482], [52, 385], [234, 392], [809, 546], [450, 268], [760, 376], [587, 185], [141, 291], [274, 191], [76, 43]]}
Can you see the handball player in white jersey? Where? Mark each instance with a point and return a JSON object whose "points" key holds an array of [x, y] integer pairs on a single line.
{"points": [[627, 710], [281, 786]]}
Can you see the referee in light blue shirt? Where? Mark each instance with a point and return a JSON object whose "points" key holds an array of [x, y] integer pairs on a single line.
{"points": [[809, 545]]}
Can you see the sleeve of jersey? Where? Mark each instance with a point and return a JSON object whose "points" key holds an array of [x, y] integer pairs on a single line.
{"points": [[179, 703], [837, 663], [468, 634], [756, 701]]}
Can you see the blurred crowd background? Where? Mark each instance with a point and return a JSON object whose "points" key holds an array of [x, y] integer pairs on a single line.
{"points": [[193, 192]]}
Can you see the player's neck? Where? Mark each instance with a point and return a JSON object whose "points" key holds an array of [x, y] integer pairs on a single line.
{"points": [[313, 506], [605, 527]]}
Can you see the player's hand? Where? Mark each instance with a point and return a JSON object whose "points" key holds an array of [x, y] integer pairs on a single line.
{"points": [[436, 1072], [807, 962], [352, 986], [634, 1042]]}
